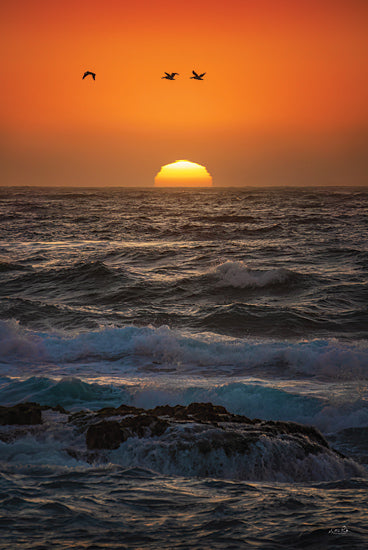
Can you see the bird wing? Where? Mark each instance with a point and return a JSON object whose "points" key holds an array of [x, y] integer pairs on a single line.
{"points": [[93, 76], [85, 74], [195, 74], [201, 75], [167, 74]]}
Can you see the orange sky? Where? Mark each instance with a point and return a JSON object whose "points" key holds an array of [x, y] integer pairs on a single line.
{"points": [[284, 100]]}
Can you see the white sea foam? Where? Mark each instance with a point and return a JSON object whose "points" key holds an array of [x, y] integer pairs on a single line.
{"points": [[329, 412], [128, 349], [239, 275], [152, 366], [190, 451], [186, 450], [18, 343]]}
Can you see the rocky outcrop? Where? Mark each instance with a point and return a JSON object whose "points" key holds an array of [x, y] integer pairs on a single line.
{"points": [[105, 435], [200, 439], [21, 414], [109, 427], [25, 414], [109, 434]]}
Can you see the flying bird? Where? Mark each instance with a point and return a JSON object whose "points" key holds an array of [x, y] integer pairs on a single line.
{"points": [[93, 75], [169, 76], [197, 76]]}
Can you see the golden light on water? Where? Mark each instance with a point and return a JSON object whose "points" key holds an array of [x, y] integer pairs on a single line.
{"points": [[183, 173]]}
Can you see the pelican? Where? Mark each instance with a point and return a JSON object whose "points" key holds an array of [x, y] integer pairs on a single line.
{"points": [[197, 76], [169, 76], [93, 75]]}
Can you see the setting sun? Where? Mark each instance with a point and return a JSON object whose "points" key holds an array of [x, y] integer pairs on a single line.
{"points": [[183, 173]]}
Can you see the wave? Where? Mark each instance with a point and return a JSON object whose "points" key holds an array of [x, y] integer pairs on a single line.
{"points": [[308, 220], [191, 452], [201, 231], [12, 266], [153, 348], [230, 273], [81, 272], [41, 314], [228, 218], [69, 392], [84, 280], [239, 275], [185, 448], [238, 319], [253, 400], [16, 342]]}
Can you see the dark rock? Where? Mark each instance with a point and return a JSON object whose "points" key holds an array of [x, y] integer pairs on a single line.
{"points": [[200, 412], [206, 412], [120, 411], [105, 435], [107, 411], [165, 410], [144, 425], [60, 409], [22, 414], [230, 442], [57, 408], [262, 446], [137, 422], [128, 409], [82, 419]]}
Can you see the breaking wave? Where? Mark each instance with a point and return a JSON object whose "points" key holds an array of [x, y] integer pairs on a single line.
{"points": [[162, 366], [184, 449], [136, 347], [238, 275], [254, 400]]}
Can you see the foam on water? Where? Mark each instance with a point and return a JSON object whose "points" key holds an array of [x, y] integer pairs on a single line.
{"points": [[152, 366], [93, 274], [327, 411], [274, 460], [133, 348], [239, 275], [187, 449]]}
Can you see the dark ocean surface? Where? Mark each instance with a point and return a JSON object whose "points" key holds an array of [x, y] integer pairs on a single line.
{"points": [[253, 299]]}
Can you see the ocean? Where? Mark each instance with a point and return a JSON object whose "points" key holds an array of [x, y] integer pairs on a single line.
{"points": [[255, 300]]}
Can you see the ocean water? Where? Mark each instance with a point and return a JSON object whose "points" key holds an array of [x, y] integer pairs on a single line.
{"points": [[254, 299]]}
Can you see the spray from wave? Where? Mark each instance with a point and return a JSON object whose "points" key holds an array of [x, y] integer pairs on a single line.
{"points": [[136, 347], [238, 275]]}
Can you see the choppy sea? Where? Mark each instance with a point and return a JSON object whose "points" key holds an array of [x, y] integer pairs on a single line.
{"points": [[254, 299]]}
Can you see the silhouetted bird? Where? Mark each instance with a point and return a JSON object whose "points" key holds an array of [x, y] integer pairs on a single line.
{"points": [[93, 75], [169, 76], [197, 76]]}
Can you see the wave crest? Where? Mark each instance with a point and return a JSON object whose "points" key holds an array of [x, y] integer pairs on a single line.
{"points": [[137, 348], [238, 275]]}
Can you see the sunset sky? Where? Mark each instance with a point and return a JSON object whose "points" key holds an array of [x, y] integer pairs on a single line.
{"points": [[283, 102]]}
